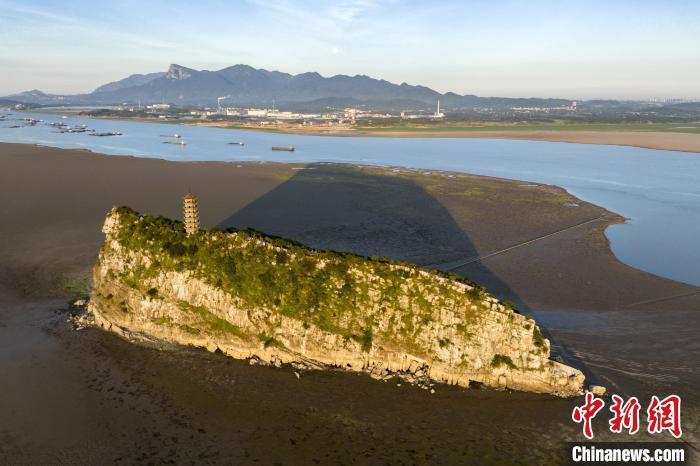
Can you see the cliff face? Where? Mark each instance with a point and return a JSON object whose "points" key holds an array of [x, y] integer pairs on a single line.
{"points": [[249, 295]]}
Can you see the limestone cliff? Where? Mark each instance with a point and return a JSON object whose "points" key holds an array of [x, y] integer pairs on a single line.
{"points": [[250, 295]]}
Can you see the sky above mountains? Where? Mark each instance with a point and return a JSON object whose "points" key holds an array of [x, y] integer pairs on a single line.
{"points": [[572, 49]]}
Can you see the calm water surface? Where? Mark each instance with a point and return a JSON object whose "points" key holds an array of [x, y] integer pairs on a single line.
{"points": [[659, 191]]}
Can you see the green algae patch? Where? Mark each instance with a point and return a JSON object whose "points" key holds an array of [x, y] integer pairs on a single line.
{"points": [[501, 360]]}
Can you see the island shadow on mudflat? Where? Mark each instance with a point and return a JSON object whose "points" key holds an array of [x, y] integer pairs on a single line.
{"points": [[353, 210], [347, 209]]}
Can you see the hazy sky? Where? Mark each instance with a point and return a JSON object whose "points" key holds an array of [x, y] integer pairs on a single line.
{"points": [[558, 48]]}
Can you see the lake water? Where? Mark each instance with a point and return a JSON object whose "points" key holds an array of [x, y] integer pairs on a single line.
{"points": [[659, 191]]}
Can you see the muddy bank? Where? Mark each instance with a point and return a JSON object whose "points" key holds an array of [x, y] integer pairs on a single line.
{"points": [[112, 401], [90, 397], [682, 142]]}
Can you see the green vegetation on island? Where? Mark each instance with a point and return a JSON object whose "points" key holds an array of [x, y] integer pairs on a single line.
{"points": [[252, 295], [330, 290]]}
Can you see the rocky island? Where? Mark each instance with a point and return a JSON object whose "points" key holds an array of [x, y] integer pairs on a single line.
{"points": [[250, 295]]}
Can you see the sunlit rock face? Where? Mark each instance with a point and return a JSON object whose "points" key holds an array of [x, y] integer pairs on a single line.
{"points": [[178, 72], [253, 296]]}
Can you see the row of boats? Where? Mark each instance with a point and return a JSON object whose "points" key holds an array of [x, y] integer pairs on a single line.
{"points": [[177, 139], [25, 122], [63, 128]]}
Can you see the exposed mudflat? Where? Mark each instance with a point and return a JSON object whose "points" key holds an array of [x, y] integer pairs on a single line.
{"points": [[88, 397], [684, 142]]}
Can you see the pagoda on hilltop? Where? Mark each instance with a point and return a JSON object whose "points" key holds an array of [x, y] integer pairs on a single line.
{"points": [[190, 214]]}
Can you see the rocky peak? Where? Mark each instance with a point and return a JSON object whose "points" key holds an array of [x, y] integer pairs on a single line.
{"points": [[178, 72]]}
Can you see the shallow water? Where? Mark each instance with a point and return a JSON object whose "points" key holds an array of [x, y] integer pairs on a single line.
{"points": [[657, 190]]}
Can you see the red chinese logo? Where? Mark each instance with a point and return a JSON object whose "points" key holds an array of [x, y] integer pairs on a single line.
{"points": [[665, 415], [587, 412], [625, 415], [662, 415]]}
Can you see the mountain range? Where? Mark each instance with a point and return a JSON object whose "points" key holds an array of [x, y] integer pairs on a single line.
{"points": [[243, 85]]}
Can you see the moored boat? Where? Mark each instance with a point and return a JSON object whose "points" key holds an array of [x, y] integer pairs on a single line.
{"points": [[111, 133]]}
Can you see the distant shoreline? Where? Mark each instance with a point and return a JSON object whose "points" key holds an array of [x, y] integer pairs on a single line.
{"points": [[659, 140]]}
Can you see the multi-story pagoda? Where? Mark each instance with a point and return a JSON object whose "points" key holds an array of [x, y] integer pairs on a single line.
{"points": [[190, 214]]}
